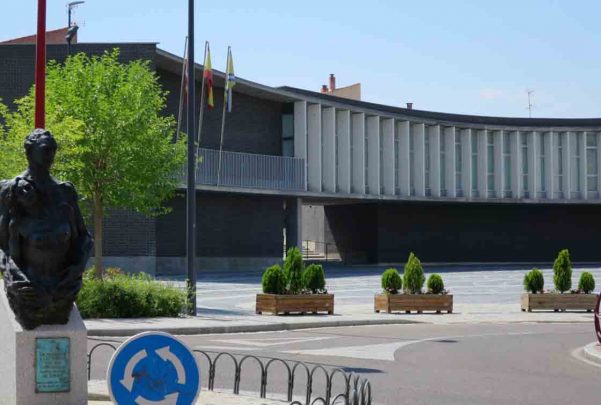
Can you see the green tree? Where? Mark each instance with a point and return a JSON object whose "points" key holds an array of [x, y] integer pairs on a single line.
{"points": [[562, 271], [115, 143]]}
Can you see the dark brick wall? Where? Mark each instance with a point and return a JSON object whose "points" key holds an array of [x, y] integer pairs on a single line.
{"points": [[466, 232], [253, 126], [127, 233], [228, 226], [17, 63]]}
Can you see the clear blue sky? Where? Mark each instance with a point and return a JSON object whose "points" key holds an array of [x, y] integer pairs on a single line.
{"points": [[461, 56]]}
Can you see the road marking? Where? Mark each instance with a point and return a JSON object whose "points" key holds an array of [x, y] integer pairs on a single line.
{"points": [[128, 378], [166, 355], [169, 400]]}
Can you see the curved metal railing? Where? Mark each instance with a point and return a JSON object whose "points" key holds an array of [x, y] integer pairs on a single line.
{"points": [[357, 390]]}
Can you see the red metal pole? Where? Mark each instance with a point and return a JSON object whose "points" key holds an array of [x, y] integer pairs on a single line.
{"points": [[40, 67]]}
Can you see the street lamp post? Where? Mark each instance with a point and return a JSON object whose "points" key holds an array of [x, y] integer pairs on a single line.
{"points": [[72, 28], [191, 184]]}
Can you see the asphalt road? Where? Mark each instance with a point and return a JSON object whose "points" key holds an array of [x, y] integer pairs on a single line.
{"points": [[420, 364]]}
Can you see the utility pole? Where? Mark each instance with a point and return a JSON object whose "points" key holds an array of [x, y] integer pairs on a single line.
{"points": [[40, 67], [191, 189], [530, 105]]}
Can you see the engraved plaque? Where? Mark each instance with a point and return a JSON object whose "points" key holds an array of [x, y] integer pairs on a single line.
{"points": [[52, 365]]}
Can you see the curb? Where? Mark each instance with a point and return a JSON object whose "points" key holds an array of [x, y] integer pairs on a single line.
{"points": [[592, 352], [277, 327]]}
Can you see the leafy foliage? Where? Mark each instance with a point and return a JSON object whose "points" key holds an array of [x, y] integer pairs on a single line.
{"points": [[534, 281], [391, 281], [562, 271], [128, 296], [586, 284], [293, 271], [115, 143], [435, 284], [413, 278], [274, 281], [314, 279]]}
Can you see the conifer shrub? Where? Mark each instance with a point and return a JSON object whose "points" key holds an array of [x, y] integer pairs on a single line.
{"points": [[273, 281], [391, 281], [293, 271], [562, 271], [314, 279], [586, 284], [534, 281], [435, 284], [120, 295], [413, 278]]}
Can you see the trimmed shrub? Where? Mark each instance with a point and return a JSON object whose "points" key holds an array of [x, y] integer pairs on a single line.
{"points": [[293, 271], [391, 281], [414, 278], [534, 281], [120, 295], [314, 279], [273, 280], [562, 271], [586, 283], [435, 284]]}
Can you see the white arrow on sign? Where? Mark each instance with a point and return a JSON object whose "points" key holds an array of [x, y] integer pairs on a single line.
{"points": [[128, 378], [169, 400], [166, 355]]}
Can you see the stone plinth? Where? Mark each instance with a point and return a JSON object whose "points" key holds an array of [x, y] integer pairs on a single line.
{"points": [[18, 360]]}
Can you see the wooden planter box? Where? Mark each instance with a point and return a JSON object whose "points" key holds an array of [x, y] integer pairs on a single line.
{"points": [[413, 302], [559, 302], [288, 304]]}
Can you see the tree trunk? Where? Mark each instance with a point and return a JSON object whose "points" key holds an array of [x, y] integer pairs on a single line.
{"points": [[98, 235]]}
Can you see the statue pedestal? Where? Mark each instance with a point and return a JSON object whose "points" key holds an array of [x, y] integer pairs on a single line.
{"points": [[43, 366]]}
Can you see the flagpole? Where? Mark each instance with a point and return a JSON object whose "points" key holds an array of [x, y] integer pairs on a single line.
{"points": [[202, 104], [223, 115], [40, 67], [181, 93]]}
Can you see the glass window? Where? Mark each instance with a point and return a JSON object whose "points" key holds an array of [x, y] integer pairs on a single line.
{"points": [[443, 180], [490, 148], [507, 163], [381, 136], [397, 177], [524, 145], [287, 134], [591, 162], [575, 164], [412, 161], [427, 160], [365, 158], [458, 160], [541, 149], [474, 140], [559, 142]]}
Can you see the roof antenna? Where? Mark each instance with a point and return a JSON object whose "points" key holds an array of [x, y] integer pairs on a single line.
{"points": [[530, 105]]}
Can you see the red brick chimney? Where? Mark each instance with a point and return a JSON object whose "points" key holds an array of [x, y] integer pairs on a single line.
{"points": [[332, 82], [324, 88], [410, 106]]}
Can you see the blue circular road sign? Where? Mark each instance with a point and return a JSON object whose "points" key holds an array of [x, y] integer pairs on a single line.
{"points": [[153, 368]]}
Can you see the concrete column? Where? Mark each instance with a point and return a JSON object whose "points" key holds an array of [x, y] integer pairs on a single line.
{"points": [[314, 147], [434, 134], [293, 218], [388, 156], [343, 132], [550, 156], [450, 159], [300, 133], [499, 163], [358, 165], [373, 154], [533, 165], [404, 159], [328, 160], [516, 165], [466, 162], [582, 169], [419, 151], [482, 163]]}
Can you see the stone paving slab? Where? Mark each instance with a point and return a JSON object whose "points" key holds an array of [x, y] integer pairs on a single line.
{"points": [[98, 395]]}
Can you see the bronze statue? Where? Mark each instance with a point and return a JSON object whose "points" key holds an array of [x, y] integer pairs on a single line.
{"points": [[44, 243]]}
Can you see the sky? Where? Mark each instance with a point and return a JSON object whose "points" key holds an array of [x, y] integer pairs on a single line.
{"points": [[457, 56]]}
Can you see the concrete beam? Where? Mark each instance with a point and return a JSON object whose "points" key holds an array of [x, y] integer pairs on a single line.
{"points": [[343, 132], [403, 129], [358, 152], [373, 154], [314, 147], [388, 173]]}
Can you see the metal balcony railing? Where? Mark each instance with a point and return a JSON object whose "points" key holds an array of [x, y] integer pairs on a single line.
{"points": [[250, 171]]}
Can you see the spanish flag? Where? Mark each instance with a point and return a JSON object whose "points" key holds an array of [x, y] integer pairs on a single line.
{"points": [[208, 76], [230, 78]]}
